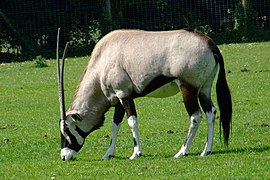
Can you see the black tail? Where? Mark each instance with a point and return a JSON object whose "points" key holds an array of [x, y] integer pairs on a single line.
{"points": [[224, 99]]}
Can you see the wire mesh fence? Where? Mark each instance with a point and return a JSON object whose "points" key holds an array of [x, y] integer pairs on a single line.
{"points": [[30, 26], [173, 14]]}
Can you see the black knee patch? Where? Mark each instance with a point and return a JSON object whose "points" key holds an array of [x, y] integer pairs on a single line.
{"points": [[129, 106], [119, 113]]}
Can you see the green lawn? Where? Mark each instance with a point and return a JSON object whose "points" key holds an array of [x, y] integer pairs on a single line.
{"points": [[30, 138]]}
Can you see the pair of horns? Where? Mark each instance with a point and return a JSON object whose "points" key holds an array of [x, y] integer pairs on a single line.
{"points": [[60, 77]]}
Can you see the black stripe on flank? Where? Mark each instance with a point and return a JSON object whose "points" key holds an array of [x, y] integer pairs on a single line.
{"points": [[156, 83]]}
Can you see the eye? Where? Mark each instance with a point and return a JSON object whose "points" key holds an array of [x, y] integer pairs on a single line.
{"points": [[76, 117]]}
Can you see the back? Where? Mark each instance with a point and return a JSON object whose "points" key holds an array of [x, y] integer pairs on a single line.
{"points": [[140, 56]]}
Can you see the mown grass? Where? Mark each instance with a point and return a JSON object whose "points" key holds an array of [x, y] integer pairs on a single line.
{"points": [[30, 139]]}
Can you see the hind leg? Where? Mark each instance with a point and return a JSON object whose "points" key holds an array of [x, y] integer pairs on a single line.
{"points": [[210, 111], [192, 106]]}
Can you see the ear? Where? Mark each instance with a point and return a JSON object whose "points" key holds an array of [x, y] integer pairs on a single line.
{"points": [[76, 117]]}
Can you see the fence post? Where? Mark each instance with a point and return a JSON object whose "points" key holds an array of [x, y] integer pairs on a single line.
{"points": [[109, 13], [244, 6]]}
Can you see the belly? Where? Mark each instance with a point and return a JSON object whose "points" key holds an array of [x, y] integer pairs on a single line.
{"points": [[166, 90]]}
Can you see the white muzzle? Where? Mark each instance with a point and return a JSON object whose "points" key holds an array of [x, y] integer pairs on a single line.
{"points": [[68, 154]]}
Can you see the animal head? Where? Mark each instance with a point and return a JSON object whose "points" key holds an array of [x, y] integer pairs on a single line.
{"points": [[74, 128], [72, 137], [71, 140]]}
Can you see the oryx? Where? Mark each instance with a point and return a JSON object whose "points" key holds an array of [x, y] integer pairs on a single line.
{"points": [[126, 64]]}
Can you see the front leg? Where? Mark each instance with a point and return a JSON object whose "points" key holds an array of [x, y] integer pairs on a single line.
{"points": [[133, 124], [129, 106], [119, 113], [110, 152]]}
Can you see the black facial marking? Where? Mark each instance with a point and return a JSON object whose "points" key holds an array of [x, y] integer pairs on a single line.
{"points": [[64, 142], [81, 132], [156, 83], [74, 144]]}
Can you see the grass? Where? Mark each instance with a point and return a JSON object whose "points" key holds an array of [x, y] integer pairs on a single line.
{"points": [[30, 140]]}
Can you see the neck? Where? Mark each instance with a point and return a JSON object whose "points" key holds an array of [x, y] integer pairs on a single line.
{"points": [[90, 102]]}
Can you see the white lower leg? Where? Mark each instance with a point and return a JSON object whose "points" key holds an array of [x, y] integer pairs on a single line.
{"points": [[194, 124], [133, 124], [210, 116], [110, 151]]}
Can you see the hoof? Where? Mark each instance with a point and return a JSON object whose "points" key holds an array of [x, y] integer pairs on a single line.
{"points": [[107, 157], [135, 155], [206, 153], [180, 155]]}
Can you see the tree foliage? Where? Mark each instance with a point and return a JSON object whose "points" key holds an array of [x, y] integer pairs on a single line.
{"points": [[29, 27]]}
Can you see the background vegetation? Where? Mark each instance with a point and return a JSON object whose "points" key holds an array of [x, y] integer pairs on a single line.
{"points": [[28, 28], [30, 139]]}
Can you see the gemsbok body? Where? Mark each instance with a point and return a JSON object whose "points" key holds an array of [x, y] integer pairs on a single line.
{"points": [[126, 64]]}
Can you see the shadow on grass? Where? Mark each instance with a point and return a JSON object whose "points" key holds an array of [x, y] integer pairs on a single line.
{"points": [[225, 151], [237, 150], [243, 150]]}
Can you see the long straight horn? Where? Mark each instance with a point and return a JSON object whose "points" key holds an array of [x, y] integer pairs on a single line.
{"points": [[60, 78]]}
